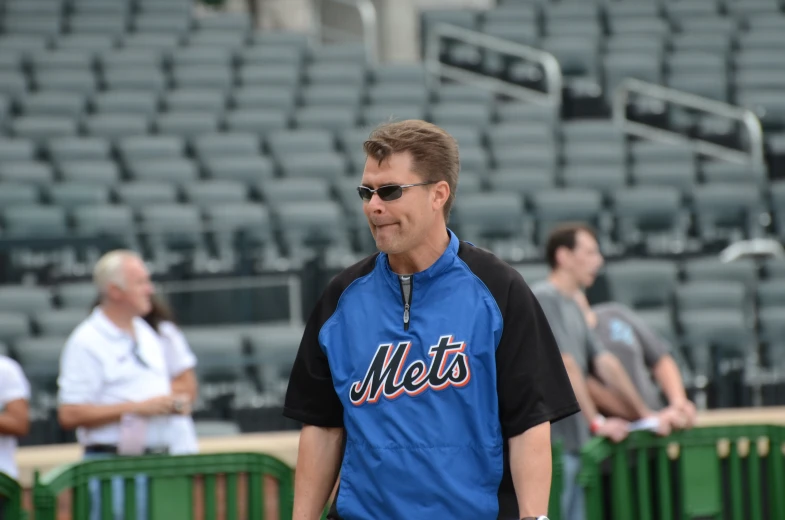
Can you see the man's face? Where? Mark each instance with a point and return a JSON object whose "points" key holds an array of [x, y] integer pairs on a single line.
{"points": [[138, 288], [397, 225], [583, 262]]}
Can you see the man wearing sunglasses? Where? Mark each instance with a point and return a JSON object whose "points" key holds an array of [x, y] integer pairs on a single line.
{"points": [[427, 367]]}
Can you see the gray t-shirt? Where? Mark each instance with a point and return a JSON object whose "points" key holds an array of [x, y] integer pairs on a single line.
{"points": [[576, 339], [635, 344]]}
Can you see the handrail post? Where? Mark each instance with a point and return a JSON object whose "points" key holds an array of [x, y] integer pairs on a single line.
{"points": [[549, 63], [368, 18], [753, 157]]}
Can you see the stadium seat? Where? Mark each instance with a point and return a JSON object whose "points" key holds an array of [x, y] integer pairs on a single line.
{"points": [[35, 221], [727, 211], [215, 192], [14, 325], [18, 194], [742, 270], [98, 172], [66, 149], [195, 99], [71, 195], [14, 149], [39, 359], [493, 220], [248, 170], [274, 349], [126, 102], [525, 183], [307, 225], [258, 76], [24, 299], [266, 55], [136, 195], [259, 121], [112, 221], [320, 165], [556, 206], [178, 171], [219, 351], [78, 295], [28, 172], [116, 126], [642, 283], [145, 148], [51, 103], [651, 216], [251, 98], [280, 192], [60, 322], [297, 141]]}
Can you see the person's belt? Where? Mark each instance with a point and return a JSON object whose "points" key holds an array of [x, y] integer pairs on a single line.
{"points": [[112, 449]]}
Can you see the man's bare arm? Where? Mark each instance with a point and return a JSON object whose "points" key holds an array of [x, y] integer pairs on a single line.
{"points": [[607, 401], [612, 373], [579, 388], [15, 419], [531, 467], [668, 377], [93, 415], [318, 463], [185, 383]]}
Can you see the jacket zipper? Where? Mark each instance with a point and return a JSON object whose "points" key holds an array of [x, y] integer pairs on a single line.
{"points": [[406, 294]]}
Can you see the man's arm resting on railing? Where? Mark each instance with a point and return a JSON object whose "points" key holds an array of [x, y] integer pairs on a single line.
{"points": [[93, 415], [15, 419], [667, 375], [613, 428], [607, 401], [531, 467], [318, 463], [612, 373]]}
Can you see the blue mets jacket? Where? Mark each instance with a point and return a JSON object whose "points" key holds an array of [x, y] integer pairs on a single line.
{"points": [[428, 375]]}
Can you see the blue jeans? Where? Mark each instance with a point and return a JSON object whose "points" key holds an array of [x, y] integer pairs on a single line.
{"points": [[118, 494], [573, 504]]}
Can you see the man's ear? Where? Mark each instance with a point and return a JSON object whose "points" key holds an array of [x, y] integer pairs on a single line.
{"points": [[560, 255], [441, 192]]}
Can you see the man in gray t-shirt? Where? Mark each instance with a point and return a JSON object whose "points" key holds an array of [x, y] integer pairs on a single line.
{"points": [[646, 357], [574, 257]]}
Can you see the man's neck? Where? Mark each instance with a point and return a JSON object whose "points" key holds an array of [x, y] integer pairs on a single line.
{"points": [[121, 318], [564, 283], [423, 256]]}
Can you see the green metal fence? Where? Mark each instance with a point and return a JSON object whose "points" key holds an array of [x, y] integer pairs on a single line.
{"points": [[10, 498], [175, 484], [728, 472]]}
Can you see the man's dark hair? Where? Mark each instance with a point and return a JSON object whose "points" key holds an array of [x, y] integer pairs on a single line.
{"points": [[564, 235]]}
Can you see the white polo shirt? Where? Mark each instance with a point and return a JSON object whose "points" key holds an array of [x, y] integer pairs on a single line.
{"points": [[98, 366], [179, 358], [13, 386]]}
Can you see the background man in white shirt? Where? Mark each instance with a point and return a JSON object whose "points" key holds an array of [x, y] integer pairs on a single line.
{"points": [[114, 385], [14, 417]]}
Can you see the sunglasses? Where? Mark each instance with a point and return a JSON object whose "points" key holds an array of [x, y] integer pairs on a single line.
{"points": [[387, 193]]}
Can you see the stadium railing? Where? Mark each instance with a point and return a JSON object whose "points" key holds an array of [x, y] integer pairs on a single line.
{"points": [[10, 498], [228, 482], [718, 472]]}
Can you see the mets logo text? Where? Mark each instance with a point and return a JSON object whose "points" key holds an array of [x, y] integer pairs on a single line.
{"points": [[388, 374]]}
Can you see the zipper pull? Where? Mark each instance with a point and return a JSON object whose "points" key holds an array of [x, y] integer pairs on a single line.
{"points": [[406, 315]]}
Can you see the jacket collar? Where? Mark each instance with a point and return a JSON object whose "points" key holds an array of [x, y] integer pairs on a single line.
{"points": [[432, 272]]}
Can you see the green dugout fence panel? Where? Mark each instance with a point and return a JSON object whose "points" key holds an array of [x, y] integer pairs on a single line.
{"points": [[231, 482], [718, 473], [10, 498]]}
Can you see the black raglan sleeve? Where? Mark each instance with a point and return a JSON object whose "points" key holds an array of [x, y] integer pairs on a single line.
{"points": [[311, 396], [532, 382]]}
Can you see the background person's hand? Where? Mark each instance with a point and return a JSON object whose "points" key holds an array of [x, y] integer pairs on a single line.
{"points": [[181, 404], [161, 405], [614, 429]]}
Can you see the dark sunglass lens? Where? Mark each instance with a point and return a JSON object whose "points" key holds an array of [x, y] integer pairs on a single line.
{"points": [[365, 193], [390, 192]]}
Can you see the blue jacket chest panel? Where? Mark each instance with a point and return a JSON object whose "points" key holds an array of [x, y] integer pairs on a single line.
{"points": [[431, 385]]}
